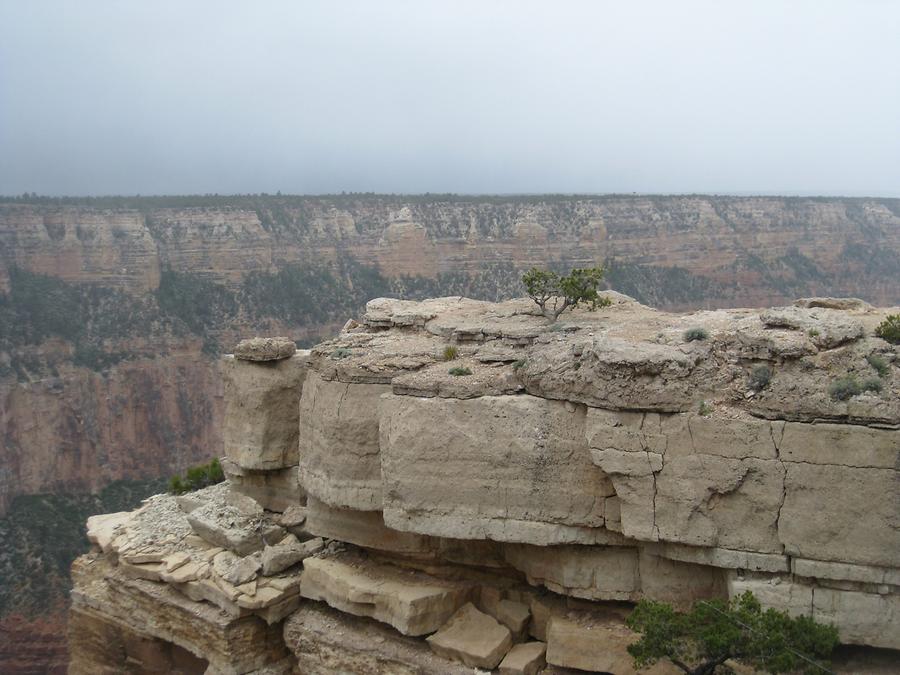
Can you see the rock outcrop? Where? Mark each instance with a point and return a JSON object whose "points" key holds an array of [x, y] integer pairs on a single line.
{"points": [[510, 503]]}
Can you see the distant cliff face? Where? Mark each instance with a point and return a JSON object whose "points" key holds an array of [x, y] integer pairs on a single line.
{"points": [[106, 365], [113, 309]]}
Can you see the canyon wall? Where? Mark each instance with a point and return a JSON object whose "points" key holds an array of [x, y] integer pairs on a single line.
{"points": [[393, 505], [113, 311], [142, 292]]}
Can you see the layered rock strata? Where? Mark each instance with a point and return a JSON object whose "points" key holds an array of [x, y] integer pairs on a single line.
{"points": [[509, 504]]}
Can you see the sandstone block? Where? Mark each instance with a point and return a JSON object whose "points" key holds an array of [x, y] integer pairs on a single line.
{"points": [[491, 468], [706, 500], [413, 603], [275, 490], [340, 462], [472, 637], [326, 641], [722, 557], [524, 659], [678, 583], [364, 528], [840, 444], [103, 528], [591, 572], [265, 349], [861, 618], [289, 551], [261, 411], [841, 514], [596, 644]]}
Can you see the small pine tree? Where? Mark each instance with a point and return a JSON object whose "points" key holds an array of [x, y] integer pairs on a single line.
{"points": [[699, 642], [554, 294]]}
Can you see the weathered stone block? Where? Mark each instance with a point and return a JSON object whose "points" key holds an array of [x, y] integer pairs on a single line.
{"points": [[507, 468], [364, 528], [524, 659], [339, 449], [842, 514], [261, 418], [413, 603], [472, 637], [591, 572]]}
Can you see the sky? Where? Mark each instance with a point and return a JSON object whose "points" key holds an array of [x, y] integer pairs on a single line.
{"points": [[489, 96]]}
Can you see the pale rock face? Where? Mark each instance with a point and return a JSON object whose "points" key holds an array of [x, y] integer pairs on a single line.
{"points": [[705, 500], [595, 644], [364, 528], [591, 572], [261, 411], [265, 349], [325, 641], [524, 659], [472, 637], [841, 513], [414, 604], [276, 490], [489, 468], [339, 451]]}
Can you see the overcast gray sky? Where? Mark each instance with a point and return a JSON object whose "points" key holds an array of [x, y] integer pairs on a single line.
{"points": [[105, 97]]}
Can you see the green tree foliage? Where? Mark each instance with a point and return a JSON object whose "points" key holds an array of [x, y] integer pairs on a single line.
{"points": [[197, 477], [889, 329], [554, 293], [699, 642]]}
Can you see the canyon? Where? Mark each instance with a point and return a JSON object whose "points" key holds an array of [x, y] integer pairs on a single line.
{"points": [[392, 505], [114, 311]]}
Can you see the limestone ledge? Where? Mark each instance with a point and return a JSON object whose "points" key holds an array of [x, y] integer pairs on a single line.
{"points": [[602, 460]]}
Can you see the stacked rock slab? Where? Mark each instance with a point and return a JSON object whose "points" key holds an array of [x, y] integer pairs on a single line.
{"points": [[511, 513]]}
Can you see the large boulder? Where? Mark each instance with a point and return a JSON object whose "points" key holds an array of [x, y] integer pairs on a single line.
{"points": [[506, 468], [261, 403], [339, 458]]}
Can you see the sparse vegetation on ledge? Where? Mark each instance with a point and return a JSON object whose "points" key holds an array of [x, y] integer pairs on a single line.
{"points": [[554, 294], [692, 334], [699, 642], [889, 329], [197, 477], [458, 372]]}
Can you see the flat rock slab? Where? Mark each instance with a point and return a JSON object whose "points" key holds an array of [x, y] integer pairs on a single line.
{"points": [[595, 643], [473, 637], [524, 659], [413, 603], [265, 349]]}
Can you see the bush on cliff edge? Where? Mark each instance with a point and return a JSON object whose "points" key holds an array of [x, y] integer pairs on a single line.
{"points": [[699, 642], [554, 294]]}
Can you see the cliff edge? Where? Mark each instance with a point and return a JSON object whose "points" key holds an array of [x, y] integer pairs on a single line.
{"points": [[455, 484]]}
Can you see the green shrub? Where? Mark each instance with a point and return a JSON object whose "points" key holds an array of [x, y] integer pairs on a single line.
{"points": [[871, 384], [845, 388], [553, 293], [457, 371], [700, 641], [341, 353], [813, 332], [878, 364], [692, 334], [450, 352], [705, 410], [518, 365], [889, 329], [760, 377], [196, 477]]}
